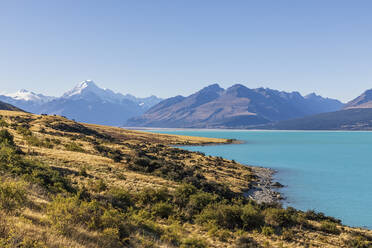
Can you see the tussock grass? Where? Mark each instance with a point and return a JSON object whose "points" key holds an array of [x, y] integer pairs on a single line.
{"points": [[68, 184]]}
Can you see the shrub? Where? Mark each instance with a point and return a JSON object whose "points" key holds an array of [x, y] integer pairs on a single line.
{"points": [[6, 138], [329, 227], [151, 196], [3, 123], [245, 242], [358, 242], [193, 243], [288, 235], [83, 171], [119, 198], [162, 210], [198, 202], [183, 193], [225, 216], [99, 185], [74, 147], [278, 217], [12, 196], [24, 131], [251, 217], [267, 230]]}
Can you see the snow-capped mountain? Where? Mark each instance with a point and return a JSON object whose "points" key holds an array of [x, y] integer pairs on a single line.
{"points": [[25, 95], [86, 102]]}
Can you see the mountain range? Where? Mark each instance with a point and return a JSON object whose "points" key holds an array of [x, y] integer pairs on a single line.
{"points": [[356, 115], [86, 102], [235, 107], [211, 107]]}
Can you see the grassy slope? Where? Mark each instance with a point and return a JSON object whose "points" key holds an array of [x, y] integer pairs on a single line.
{"points": [[91, 162]]}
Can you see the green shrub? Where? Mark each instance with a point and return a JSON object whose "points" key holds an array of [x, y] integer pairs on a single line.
{"points": [[74, 147], [150, 196], [6, 138], [12, 196], [3, 123], [193, 243], [183, 193], [64, 213], [119, 198], [225, 216], [279, 217], [198, 202], [251, 217], [267, 230], [329, 227], [162, 210]]}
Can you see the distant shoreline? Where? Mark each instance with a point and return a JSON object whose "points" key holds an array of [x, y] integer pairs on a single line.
{"points": [[239, 130]]}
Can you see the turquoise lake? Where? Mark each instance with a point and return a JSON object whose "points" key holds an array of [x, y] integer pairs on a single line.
{"points": [[330, 172]]}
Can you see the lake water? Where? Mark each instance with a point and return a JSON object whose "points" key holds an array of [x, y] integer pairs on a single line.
{"points": [[330, 172]]}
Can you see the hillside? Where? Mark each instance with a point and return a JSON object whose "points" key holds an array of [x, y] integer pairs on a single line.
{"points": [[6, 106], [68, 184], [235, 107], [349, 119], [362, 101]]}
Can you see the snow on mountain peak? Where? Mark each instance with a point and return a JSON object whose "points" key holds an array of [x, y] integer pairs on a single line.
{"points": [[26, 95]]}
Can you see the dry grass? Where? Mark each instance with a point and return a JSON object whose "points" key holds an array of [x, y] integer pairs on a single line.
{"points": [[32, 223]]}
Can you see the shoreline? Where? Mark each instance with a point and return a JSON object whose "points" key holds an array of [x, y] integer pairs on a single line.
{"points": [[263, 190]]}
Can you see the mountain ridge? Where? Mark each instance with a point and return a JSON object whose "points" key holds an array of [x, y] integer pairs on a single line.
{"points": [[86, 102], [356, 115], [234, 107]]}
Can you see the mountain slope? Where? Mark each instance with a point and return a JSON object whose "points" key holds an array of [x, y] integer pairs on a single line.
{"points": [[362, 101], [356, 115], [6, 106], [86, 102], [235, 107], [348, 119]]}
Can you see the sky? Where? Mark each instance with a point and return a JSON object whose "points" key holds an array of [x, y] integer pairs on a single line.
{"points": [[174, 47]]}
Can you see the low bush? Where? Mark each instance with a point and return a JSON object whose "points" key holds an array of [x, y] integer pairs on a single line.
{"points": [[162, 210], [74, 147], [267, 230], [6, 138], [119, 198], [193, 243], [329, 227], [245, 242], [279, 217], [223, 215], [151, 196], [358, 241], [12, 196]]}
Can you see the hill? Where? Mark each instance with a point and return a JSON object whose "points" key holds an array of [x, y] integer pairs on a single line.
{"points": [[235, 107], [68, 184], [6, 106]]}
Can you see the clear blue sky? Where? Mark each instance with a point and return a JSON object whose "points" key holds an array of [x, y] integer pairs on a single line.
{"points": [[177, 47]]}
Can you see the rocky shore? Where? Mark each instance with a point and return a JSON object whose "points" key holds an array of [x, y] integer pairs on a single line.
{"points": [[264, 189]]}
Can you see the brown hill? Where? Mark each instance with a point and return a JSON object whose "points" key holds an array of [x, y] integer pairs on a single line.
{"points": [[69, 184]]}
